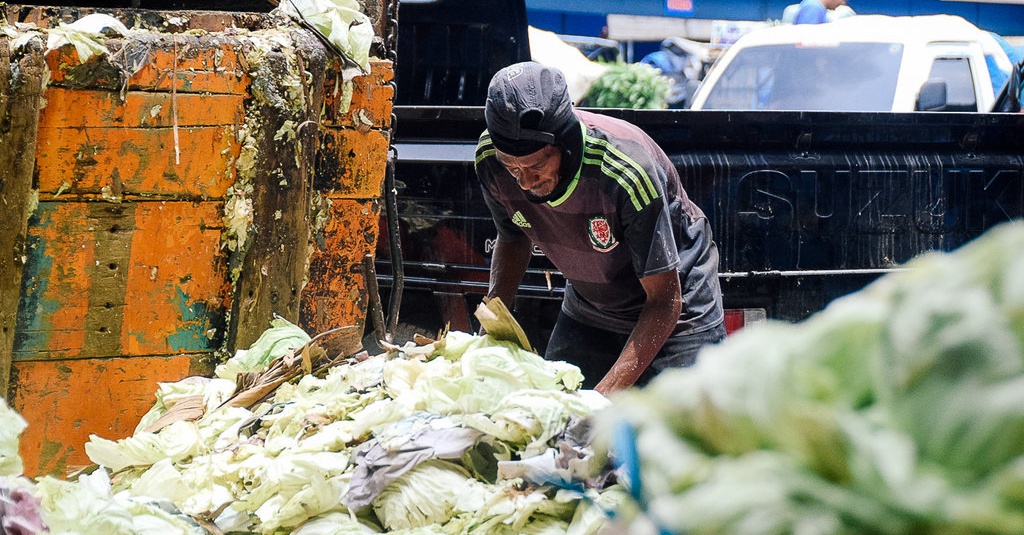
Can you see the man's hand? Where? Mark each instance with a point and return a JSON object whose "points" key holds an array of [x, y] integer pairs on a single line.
{"points": [[657, 321]]}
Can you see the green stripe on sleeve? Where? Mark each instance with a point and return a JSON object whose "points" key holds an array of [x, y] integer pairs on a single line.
{"points": [[643, 178], [626, 185], [481, 154]]}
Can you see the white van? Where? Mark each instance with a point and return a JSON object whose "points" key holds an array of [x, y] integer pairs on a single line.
{"points": [[860, 63]]}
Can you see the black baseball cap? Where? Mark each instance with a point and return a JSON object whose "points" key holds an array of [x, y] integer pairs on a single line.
{"points": [[528, 107]]}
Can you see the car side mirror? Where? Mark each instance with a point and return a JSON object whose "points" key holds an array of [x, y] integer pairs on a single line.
{"points": [[932, 96]]}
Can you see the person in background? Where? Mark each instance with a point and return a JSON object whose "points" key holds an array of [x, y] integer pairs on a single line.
{"points": [[605, 204], [816, 11], [683, 61], [789, 13]]}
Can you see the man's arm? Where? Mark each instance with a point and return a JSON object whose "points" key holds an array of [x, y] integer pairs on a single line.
{"points": [[657, 321], [508, 265], [512, 249]]}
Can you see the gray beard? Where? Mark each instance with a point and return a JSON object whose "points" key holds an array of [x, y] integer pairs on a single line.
{"points": [[538, 199], [563, 184]]}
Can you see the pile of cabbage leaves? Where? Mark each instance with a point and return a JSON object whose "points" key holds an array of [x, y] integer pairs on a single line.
{"points": [[467, 434], [898, 409]]}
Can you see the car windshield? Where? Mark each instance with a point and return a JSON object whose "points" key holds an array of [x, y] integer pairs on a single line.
{"points": [[837, 77]]}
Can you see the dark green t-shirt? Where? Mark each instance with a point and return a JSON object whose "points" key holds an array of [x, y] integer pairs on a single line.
{"points": [[624, 217]]}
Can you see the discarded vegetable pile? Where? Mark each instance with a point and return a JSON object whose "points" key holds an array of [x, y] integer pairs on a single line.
{"points": [[451, 437], [896, 410]]}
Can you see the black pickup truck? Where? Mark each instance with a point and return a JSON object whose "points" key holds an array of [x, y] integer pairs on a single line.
{"points": [[805, 206]]}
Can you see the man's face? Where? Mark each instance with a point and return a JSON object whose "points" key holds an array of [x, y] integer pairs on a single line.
{"points": [[537, 173]]}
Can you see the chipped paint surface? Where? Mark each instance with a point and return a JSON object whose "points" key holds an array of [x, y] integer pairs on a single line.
{"points": [[144, 278], [127, 278], [177, 287], [350, 171], [138, 160], [66, 401], [54, 289], [336, 292], [185, 62], [372, 96], [351, 163]]}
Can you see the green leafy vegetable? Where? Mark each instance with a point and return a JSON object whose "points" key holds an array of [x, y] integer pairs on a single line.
{"points": [[91, 507], [629, 85], [281, 338], [898, 409]]}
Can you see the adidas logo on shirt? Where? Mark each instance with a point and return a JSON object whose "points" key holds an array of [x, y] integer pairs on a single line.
{"points": [[520, 220]]}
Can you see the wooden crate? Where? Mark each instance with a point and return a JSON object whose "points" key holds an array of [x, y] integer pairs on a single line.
{"points": [[115, 258]]}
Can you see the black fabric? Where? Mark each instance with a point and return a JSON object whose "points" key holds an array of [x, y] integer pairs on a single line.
{"points": [[528, 106], [571, 145], [594, 351], [516, 147], [591, 349], [571, 142]]}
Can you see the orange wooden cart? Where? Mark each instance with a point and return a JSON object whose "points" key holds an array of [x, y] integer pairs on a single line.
{"points": [[124, 178]]}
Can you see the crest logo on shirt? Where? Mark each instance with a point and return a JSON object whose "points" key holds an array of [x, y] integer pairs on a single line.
{"points": [[601, 234], [520, 220]]}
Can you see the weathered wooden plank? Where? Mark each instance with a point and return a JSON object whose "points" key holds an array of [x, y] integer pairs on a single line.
{"points": [[84, 108], [372, 97], [65, 401], [20, 92], [112, 227], [55, 285], [196, 63], [273, 269], [351, 164], [178, 292], [336, 292], [49, 16], [119, 162], [126, 282], [108, 279], [186, 63], [350, 171]]}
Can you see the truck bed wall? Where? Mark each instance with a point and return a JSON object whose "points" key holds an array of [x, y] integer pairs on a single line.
{"points": [[805, 207]]}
